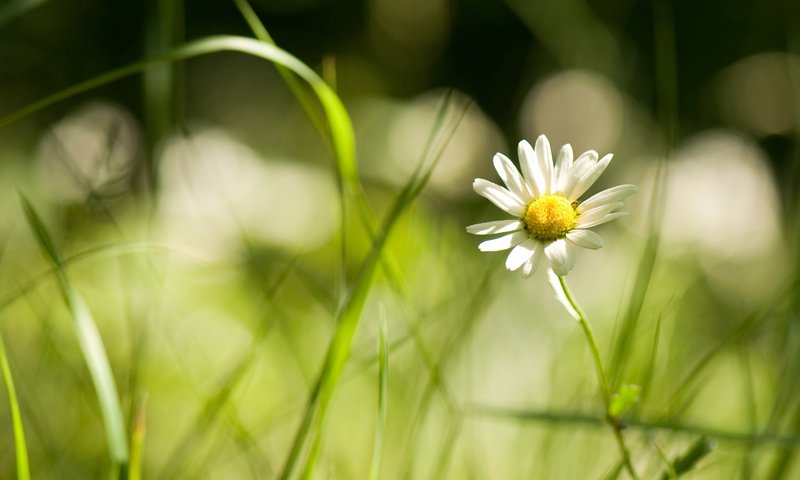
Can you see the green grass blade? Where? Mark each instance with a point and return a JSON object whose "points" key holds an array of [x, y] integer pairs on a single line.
{"points": [[383, 389], [341, 127], [90, 343], [23, 468], [137, 440], [300, 93], [348, 317], [347, 320]]}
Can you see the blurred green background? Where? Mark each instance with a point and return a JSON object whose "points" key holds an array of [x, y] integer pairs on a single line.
{"points": [[201, 218]]}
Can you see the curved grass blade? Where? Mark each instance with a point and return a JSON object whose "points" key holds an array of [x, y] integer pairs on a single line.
{"points": [[23, 468], [341, 127], [91, 344]]}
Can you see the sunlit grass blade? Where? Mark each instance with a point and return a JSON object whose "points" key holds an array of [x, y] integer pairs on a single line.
{"points": [[90, 342], [383, 389], [347, 320], [341, 127], [137, 440], [23, 468]]}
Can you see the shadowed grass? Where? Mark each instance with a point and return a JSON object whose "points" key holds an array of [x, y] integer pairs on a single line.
{"points": [[91, 344]]}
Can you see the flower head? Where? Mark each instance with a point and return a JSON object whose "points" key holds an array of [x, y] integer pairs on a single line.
{"points": [[549, 220]]}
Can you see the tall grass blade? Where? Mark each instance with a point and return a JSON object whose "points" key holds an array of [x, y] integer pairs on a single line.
{"points": [[23, 467], [347, 321], [91, 344], [137, 440], [667, 97], [383, 389]]}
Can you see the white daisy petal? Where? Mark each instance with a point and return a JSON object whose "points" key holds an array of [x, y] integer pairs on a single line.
{"points": [[563, 167], [600, 221], [561, 255], [501, 197], [511, 177], [610, 195], [580, 166], [527, 161], [533, 263], [585, 239], [503, 243], [589, 177], [499, 226], [544, 161], [521, 254], [598, 212]]}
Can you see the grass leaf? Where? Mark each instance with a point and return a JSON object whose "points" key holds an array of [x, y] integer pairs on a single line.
{"points": [[23, 468], [91, 344], [383, 387]]}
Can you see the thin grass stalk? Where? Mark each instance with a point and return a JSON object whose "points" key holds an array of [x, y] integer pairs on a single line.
{"points": [[137, 440], [571, 419], [300, 93], [20, 446], [383, 396], [605, 386]]}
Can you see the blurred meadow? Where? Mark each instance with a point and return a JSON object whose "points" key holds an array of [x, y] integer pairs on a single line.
{"points": [[232, 240]]}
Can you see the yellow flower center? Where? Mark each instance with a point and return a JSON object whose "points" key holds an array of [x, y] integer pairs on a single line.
{"points": [[550, 217]]}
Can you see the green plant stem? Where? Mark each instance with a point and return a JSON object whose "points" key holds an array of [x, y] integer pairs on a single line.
{"points": [[605, 387]]}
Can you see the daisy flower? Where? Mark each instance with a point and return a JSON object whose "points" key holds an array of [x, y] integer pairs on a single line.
{"points": [[549, 220]]}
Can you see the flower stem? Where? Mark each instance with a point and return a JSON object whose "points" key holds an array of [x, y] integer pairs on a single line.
{"points": [[605, 386]]}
